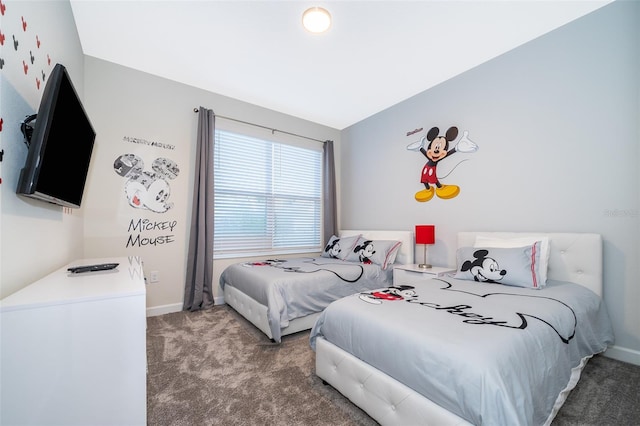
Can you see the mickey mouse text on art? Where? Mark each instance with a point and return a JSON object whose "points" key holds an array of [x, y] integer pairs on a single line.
{"points": [[150, 143], [148, 188], [142, 225]]}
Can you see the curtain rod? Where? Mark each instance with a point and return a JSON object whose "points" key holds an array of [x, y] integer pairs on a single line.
{"points": [[264, 127]]}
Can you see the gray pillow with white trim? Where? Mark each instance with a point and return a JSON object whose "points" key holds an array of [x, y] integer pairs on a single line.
{"points": [[380, 252], [339, 247], [517, 266]]}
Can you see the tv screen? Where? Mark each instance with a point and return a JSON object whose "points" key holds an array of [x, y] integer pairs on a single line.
{"points": [[60, 145]]}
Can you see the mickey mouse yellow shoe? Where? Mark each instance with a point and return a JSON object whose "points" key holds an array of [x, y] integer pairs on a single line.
{"points": [[424, 195], [447, 191]]}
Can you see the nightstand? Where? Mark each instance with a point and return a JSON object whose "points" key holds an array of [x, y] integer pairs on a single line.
{"points": [[408, 274]]}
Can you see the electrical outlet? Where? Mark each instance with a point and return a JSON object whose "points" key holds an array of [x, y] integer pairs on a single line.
{"points": [[153, 276]]}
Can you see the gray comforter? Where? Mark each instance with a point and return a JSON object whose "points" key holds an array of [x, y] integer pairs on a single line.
{"points": [[492, 354], [298, 287]]}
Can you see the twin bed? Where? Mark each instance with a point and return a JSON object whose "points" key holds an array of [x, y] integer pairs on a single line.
{"points": [[282, 297], [468, 351], [460, 349]]}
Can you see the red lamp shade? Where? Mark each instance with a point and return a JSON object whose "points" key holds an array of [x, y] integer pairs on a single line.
{"points": [[425, 234]]}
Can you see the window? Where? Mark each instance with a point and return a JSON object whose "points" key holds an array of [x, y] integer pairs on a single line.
{"points": [[268, 197]]}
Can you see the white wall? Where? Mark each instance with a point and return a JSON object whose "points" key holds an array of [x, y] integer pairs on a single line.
{"points": [[37, 238], [126, 104], [556, 121]]}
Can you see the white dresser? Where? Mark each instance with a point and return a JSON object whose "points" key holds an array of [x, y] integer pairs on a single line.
{"points": [[73, 348]]}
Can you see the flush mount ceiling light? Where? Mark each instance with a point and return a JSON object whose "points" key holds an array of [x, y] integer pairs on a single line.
{"points": [[316, 20]]}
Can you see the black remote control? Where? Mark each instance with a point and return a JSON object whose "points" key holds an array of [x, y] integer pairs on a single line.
{"points": [[92, 268]]}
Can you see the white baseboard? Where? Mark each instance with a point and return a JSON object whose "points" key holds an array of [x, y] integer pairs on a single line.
{"points": [[623, 354], [164, 309], [175, 307]]}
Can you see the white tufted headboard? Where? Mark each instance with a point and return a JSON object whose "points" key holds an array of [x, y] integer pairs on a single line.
{"points": [[405, 255], [574, 257]]}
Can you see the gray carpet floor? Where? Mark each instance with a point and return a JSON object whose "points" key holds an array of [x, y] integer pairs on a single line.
{"points": [[214, 368]]}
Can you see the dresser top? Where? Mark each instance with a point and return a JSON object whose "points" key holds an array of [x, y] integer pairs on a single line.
{"points": [[63, 287]]}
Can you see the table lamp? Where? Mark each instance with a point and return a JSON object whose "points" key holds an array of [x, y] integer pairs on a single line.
{"points": [[425, 234]]}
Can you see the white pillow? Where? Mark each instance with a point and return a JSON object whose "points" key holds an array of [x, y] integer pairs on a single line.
{"points": [[545, 250]]}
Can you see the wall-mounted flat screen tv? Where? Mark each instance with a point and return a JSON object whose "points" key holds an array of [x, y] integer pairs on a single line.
{"points": [[60, 145]]}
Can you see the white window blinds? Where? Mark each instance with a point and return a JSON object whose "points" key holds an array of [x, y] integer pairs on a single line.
{"points": [[267, 197]]}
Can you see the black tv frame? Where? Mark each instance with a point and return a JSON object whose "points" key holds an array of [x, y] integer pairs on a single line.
{"points": [[60, 145]]}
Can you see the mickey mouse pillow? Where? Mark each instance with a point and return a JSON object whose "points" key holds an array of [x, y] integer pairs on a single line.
{"points": [[339, 247], [517, 266], [379, 252]]}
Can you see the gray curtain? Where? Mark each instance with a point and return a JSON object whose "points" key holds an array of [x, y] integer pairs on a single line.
{"points": [[330, 216], [198, 292]]}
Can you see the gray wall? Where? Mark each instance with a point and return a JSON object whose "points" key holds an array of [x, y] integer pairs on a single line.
{"points": [[557, 125], [152, 117]]}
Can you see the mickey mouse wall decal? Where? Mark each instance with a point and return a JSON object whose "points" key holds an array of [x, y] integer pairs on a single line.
{"points": [[145, 189], [436, 148]]}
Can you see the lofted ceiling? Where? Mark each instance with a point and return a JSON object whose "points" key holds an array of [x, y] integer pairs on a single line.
{"points": [[376, 53]]}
